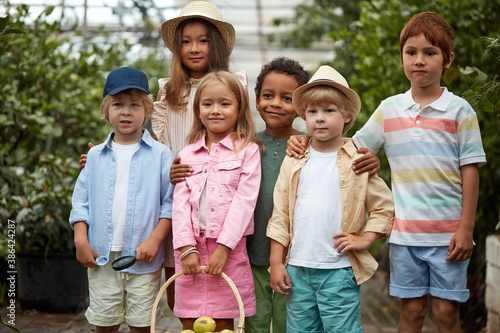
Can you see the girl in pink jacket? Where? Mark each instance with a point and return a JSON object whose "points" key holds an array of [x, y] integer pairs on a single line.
{"points": [[213, 208]]}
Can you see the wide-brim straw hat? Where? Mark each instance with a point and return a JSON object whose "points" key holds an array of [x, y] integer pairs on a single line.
{"points": [[203, 10], [326, 76]]}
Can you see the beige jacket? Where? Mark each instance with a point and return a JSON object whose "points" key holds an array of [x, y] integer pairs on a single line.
{"points": [[359, 193]]}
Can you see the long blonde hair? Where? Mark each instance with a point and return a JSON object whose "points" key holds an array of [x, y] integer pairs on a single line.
{"points": [[244, 131], [178, 87]]}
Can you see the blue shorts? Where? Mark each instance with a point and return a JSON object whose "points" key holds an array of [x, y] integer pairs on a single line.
{"points": [[323, 300], [419, 270]]}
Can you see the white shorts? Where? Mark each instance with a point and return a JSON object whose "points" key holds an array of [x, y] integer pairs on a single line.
{"points": [[117, 297]]}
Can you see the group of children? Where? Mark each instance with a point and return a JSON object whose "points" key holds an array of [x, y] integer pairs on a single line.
{"points": [[292, 232]]}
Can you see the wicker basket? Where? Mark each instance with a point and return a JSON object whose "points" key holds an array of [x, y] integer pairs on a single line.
{"points": [[241, 323]]}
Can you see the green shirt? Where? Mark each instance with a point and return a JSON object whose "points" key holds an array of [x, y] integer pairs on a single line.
{"points": [[258, 244]]}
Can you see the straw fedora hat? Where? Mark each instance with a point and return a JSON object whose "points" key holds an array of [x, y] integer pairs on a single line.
{"points": [[326, 76], [203, 10]]}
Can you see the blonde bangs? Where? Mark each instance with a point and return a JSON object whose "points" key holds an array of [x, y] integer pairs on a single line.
{"points": [[321, 95], [146, 99], [244, 131]]}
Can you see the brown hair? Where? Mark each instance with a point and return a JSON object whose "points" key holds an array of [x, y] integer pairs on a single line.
{"points": [[146, 99], [434, 28], [282, 65], [178, 87], [319, 95], [244, 127]]}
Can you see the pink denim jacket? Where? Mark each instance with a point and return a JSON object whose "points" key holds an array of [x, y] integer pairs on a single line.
{"points": [[232, 186]]}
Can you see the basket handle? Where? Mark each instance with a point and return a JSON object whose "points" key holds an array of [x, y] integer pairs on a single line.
{"points": [[241, 323]]}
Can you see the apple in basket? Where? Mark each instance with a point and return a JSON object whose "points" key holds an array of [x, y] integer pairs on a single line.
{"points": [[204, 324], [226, 331], [186, 331]]}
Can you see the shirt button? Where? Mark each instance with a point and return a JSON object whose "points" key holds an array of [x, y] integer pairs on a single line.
{"points": [[212, 189], [213, 170], [212, 210], [205, 170], [418, 122], [110, 178], [216, 150], [229, 165], [109, 202], [202, 234], [277, 144], [275, 153], [211, 232]]}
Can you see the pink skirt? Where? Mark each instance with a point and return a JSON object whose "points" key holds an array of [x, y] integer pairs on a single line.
{"points": [[209, 295]]}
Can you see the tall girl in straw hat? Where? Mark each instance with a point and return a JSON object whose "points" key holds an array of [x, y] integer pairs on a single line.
{"points": [[201, 42], [213, 208]]}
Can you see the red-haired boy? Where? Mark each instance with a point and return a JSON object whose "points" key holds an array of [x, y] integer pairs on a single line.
{"points": [[433, 144]]}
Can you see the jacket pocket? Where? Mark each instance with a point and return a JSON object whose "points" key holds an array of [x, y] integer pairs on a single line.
{"points": [[195, 181], [229, 173]]}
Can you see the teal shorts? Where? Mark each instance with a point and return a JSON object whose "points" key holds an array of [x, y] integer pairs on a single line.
{"points": [[420, 270], [323, 300]]}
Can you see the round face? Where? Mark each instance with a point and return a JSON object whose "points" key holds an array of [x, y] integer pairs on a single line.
{"points": [[423, 62], [127, 115], [218, 111], [195, 49], [275, 104], [325, 123]]}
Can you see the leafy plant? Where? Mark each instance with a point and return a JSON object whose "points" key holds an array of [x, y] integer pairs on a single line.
{"points": [[49, 109]]}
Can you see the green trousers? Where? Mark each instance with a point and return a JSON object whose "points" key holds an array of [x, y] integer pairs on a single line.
{"points": [[271, 306]]}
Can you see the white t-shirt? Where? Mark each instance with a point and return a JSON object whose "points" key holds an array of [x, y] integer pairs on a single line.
{"points": [[318, 214], [123, 155]]}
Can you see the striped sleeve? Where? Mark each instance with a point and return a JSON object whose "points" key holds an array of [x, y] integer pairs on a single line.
{"points": [[371, 135]]}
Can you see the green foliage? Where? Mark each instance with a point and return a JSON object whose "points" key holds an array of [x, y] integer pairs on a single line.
{"points": [[49, 109], [6, 28], [49, 101], [313, 22], [484, 96]]}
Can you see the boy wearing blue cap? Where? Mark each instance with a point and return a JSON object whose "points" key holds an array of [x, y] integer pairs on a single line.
{"points": [[122, 206]]}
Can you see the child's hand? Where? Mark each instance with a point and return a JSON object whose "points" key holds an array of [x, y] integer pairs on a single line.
{"points": [[461, 245], [296, 145], [217, 260], [191, 263], [147, 250], [280, 281], [178, 172], [348, 242], [83, 157], [86, 255], [369, 162]]}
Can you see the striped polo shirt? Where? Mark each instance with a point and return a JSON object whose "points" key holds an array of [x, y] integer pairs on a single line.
{"points": [[425, 149]]}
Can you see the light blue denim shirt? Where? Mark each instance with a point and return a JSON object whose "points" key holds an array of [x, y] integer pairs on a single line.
{"points": [[149, 198]]}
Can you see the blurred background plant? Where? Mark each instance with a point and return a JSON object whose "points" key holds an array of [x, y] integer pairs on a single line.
{"points": [[49, 109]]}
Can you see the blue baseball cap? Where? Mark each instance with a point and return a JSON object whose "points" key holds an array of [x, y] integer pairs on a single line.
{"points": [[125, 78]]}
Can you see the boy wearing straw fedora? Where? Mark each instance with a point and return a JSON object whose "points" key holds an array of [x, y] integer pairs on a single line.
{"points": [[319, 237]]}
